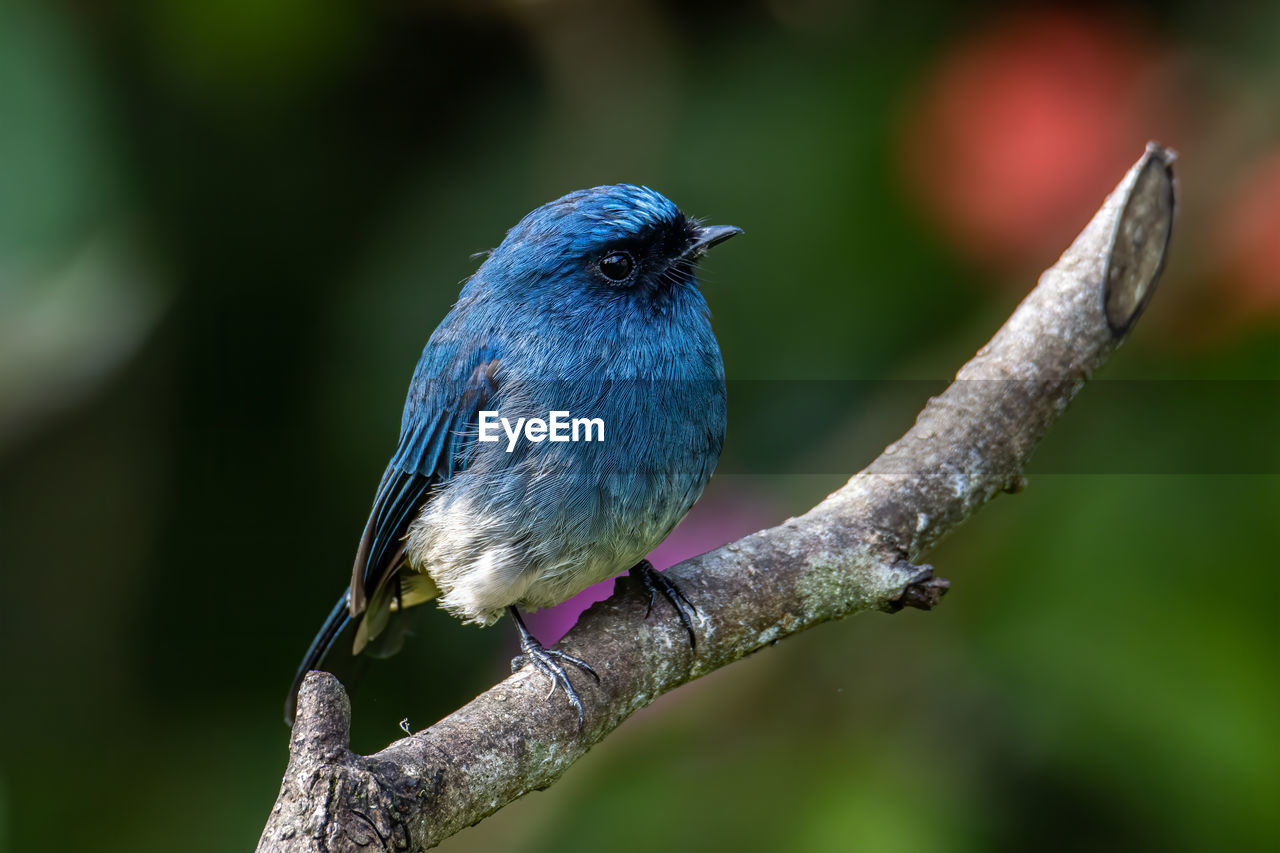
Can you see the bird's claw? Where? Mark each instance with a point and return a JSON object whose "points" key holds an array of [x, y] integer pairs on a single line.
{"points": [[656, 582], [547, 661]]}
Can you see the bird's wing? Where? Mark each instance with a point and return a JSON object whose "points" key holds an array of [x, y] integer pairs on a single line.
{"points": [[449, 389]]}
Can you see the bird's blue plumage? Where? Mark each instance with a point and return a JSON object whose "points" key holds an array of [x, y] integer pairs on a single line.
{"points": [[589, 306]]}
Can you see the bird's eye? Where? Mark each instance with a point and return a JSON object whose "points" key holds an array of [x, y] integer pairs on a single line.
{"points": [[616, 266]]}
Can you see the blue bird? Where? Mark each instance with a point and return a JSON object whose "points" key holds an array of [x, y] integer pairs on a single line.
{"points": [[585, 323]]}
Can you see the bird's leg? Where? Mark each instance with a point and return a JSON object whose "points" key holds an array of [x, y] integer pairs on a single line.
{"points": [[547, 661], [656, 582]]}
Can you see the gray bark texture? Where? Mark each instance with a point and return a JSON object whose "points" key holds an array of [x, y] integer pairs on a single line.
{"points": [[855, 551]]}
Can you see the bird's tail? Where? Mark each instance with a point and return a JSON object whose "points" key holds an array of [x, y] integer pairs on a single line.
{"points": [[320, 646]]}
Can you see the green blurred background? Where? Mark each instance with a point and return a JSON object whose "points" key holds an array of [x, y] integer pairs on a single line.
{"points": [[227, 228]]}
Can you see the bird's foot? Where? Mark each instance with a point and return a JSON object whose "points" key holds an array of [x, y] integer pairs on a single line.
{"points": [[656, 582], [549, 663]]}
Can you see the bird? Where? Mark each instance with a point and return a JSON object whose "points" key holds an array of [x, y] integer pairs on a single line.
{"points": [[588, 313]]}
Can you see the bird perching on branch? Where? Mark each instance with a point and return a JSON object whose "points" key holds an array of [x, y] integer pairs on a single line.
{"points": [[848, 554], [588, 315]]}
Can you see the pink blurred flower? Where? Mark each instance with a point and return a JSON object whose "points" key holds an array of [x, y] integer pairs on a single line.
{"points": [[1023, 127]]}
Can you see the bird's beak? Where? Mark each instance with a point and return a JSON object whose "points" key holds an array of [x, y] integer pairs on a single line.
{"points": [[706, 236]]}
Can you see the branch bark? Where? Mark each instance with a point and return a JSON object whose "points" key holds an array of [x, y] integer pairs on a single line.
{"points": [[853, 552]]}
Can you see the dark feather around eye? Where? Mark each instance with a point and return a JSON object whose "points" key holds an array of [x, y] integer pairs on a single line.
{"points": [[617, 266]]}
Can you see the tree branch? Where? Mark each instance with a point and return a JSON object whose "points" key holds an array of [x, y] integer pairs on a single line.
{"points": [[852, 552]]}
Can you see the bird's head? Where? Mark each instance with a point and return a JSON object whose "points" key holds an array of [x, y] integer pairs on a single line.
{"points": [[618, 242]]}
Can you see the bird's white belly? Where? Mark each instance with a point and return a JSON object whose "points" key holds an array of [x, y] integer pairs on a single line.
{"points": [[484, 564]]}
